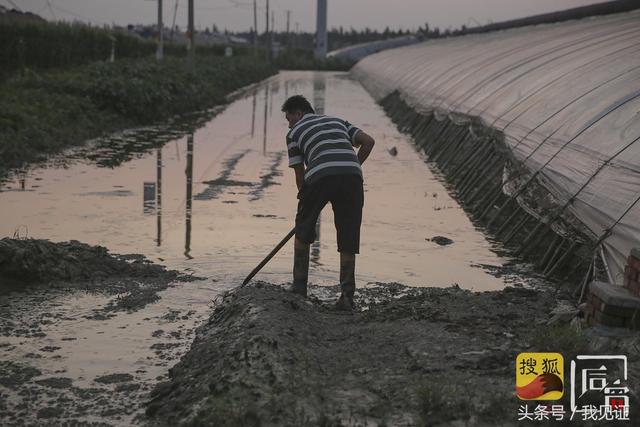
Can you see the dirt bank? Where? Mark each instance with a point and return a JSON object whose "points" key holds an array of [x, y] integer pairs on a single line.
{"points": [[409, 356], [75, 265]]}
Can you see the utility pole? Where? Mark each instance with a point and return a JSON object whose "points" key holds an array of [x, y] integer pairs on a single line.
{"points": [[288, 33], [160, 51], [268, 37], [288, 20], [190, 43], [173, 25], [255, 27], [273, 29], [321, 31]]}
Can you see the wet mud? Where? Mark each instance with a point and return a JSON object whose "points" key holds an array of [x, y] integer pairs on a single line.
{"points": [[406, 356], [60, 401], [86, 335], [75, 265], [42, 284]]}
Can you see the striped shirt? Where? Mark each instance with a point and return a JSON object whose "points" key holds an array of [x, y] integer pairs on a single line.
{"points": [[325, 145]]}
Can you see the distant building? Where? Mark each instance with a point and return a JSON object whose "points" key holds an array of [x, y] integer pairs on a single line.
{"points": [[176, 36]]}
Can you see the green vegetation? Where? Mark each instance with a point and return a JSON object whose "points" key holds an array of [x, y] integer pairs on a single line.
{"points": [[58, 89], [43, 45], [42, 113]]}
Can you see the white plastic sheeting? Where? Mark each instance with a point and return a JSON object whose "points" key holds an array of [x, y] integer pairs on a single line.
{"points": [[566, 96], [358, 51]]}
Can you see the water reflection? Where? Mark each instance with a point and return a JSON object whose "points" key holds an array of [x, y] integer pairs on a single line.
{"points": [[217, 186], [159, 196], [247, 195], [22, 177], [274, 88], [189, 201], [264, 140], [319, 92], [115, 150], [149, 198], [253, 113]]}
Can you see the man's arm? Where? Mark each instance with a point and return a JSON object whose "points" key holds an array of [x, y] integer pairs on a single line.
{"points": [[365, 144], [299, 170]]}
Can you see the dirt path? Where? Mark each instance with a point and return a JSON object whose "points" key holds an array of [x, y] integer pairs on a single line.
{"points": [[408, 357]]}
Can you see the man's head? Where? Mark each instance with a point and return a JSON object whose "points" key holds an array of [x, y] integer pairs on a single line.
{"points": [[295, 107]]}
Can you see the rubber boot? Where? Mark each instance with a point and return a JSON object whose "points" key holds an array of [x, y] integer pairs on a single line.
{"points": [[300, 268], [347, 281]]}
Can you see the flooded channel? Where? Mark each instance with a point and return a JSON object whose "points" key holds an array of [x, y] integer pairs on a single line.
{"points": [[212, 202], [243, 198]]}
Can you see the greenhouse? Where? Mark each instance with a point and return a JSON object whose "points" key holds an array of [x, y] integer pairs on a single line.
{"points": [[537, 128]]}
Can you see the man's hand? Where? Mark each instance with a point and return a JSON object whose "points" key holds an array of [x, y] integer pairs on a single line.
{"points": [[366, 143]]}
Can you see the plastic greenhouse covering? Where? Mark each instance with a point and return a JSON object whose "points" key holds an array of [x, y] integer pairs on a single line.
{"points": [[357, 52], [566, 96]]}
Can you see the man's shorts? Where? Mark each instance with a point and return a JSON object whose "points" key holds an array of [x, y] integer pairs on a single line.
{"points": [[346, 195]]}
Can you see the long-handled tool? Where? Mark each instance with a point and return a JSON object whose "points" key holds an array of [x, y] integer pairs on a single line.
{"points": [[268, 257]]}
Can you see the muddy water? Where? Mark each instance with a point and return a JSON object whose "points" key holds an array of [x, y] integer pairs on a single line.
{"points": [[243, 199], [213, 202]]}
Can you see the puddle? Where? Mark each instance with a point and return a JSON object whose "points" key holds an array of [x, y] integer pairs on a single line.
{"points": [[218, 200], [211, 202]]}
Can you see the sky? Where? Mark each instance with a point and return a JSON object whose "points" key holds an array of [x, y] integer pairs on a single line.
{"points": [[237, 15]]}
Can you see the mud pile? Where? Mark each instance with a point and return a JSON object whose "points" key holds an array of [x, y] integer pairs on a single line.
{"points": [[75, 265], [32, 260], [408, 355]]}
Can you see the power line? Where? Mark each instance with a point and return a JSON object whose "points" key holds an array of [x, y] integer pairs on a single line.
{"points": [[68, 12], [51, 10], [15, 6]]}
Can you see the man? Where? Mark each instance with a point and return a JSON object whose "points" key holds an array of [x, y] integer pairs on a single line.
{"points": [[327, 168]]}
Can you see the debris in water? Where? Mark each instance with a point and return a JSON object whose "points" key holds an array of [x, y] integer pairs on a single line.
{"points": [[441, 240]]}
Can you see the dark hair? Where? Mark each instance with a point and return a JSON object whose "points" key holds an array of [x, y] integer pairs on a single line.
{"points": [[297, 103]]}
